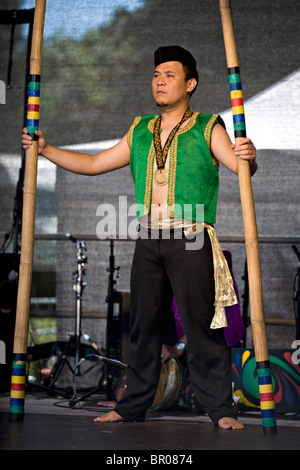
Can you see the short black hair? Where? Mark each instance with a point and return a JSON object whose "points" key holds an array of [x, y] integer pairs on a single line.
{"points": [[178, 53]]}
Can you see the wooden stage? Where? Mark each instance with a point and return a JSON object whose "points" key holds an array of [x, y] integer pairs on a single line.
{"points": [[52, 424]]}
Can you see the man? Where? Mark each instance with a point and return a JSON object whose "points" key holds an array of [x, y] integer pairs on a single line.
{"points": [[167, 178]]}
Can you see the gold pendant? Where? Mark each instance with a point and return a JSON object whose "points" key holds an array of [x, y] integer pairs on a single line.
{"points": [[161, 176]]}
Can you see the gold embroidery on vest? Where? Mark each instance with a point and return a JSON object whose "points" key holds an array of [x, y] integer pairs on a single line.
{"points": [[149, 176], [151, 123], [207, 137], [172, 176], [173, 163], [130, 132], [190, 124]]}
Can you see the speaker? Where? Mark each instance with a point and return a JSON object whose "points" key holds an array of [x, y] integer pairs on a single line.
{"points": [[9, 267]]}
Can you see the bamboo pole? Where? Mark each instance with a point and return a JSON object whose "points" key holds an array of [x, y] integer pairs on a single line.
{"points": [[17, 398], [250, 227]]}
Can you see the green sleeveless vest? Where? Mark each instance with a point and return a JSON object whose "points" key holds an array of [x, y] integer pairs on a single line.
{"points": [[193, 171]]}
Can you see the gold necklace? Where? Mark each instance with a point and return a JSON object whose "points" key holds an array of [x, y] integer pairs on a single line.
{"points": [[161, 174]]}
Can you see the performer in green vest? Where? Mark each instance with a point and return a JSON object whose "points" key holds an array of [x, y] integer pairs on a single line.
{"points": [[174, 159]]}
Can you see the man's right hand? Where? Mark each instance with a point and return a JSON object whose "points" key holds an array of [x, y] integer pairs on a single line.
{"points": [[27, 140]]}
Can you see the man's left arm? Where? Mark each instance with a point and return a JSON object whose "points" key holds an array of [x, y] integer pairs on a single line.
{"points": [[227, 153]]}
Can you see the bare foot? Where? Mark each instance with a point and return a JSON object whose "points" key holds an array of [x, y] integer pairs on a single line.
{"points": [[111, 417], [230, 423]]}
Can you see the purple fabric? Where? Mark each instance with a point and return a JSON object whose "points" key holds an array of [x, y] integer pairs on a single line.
{"points": [[235, 331], [177, 318]]}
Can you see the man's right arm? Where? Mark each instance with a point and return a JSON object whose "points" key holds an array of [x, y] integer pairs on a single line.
{"points": [[113, 158]]}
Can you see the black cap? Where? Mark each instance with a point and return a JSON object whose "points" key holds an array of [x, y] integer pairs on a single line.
{"points": [[177, 53]]}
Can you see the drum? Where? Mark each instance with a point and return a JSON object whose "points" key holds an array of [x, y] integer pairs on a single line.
{"points": [[169, 385]]}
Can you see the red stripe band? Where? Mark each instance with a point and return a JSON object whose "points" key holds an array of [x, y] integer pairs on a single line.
{"points": [[33, 107], [267, 396], [237, 102], [19, 387]]}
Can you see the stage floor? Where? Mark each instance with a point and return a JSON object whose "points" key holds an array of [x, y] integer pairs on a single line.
{"points": [[52, 424]]}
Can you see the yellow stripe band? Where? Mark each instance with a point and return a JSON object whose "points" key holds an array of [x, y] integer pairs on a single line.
{"points": [[34, 100], [33, 115], [236, 94], [238, 110], [268, 388], [17, 394], [17, 379], [266, 405]]}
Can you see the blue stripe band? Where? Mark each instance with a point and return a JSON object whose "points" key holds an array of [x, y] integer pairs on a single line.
{"points": [[235, 86]]}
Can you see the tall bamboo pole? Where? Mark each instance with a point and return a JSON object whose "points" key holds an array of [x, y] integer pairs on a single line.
{"points": [[251, 237], [17, 398]]}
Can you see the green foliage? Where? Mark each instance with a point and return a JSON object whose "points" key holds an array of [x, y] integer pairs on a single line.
{"points": [[81, 80]]}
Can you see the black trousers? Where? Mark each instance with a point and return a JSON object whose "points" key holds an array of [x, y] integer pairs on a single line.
{"points": [[160, 268]]}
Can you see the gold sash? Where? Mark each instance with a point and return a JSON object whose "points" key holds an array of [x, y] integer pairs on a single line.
{"points": [[224, 290]]}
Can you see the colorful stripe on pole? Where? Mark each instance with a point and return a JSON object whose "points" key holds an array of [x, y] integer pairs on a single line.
{"points": [[267, 403], [18, 382], [235, 83], [33, 109]]}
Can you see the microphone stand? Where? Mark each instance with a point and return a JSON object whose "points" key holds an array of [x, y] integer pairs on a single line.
{"points": [[113, 326], [78, 288], [74, 339]]}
